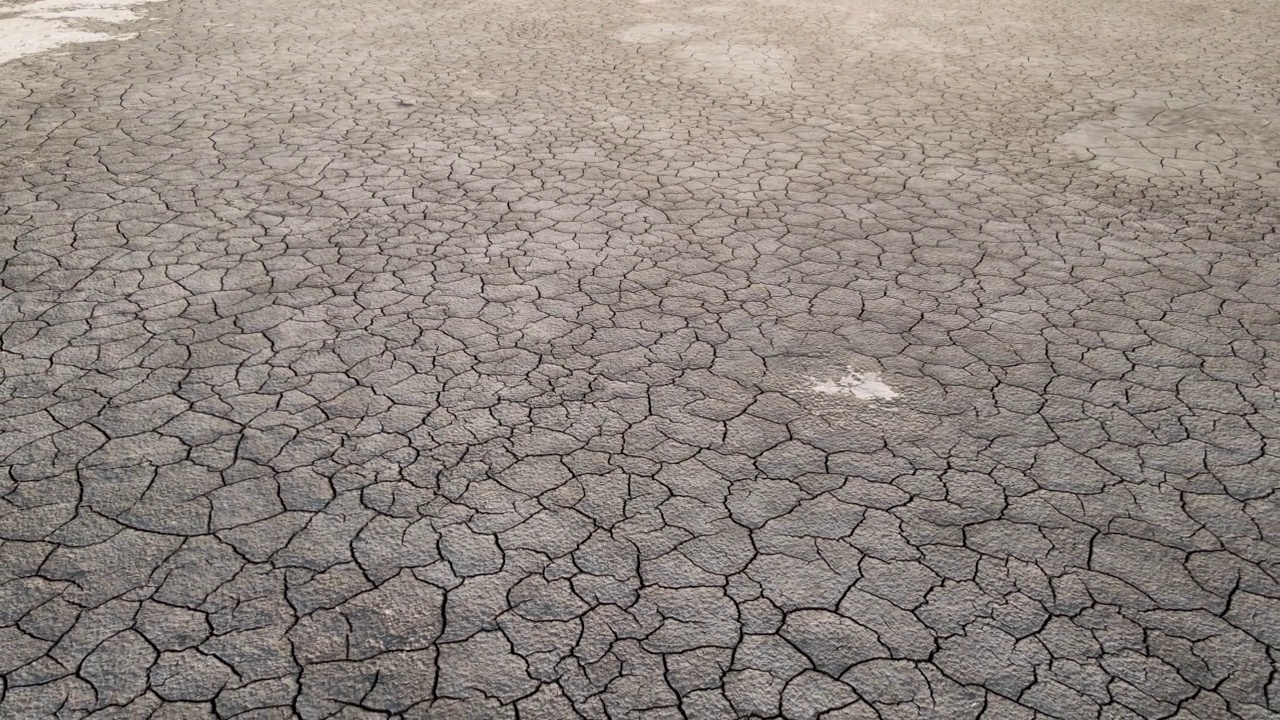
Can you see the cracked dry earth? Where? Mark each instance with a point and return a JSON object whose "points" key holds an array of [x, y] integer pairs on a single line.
{"points": [[547, 359]]}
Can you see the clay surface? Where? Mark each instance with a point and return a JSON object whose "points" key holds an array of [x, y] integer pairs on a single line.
{"points": [[547, 359]]}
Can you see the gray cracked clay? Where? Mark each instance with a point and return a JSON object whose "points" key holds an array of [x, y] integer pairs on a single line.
{"points": [[639, 359]]}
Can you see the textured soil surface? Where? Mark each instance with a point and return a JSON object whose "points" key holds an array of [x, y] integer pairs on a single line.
{"points": [[546, 359]]}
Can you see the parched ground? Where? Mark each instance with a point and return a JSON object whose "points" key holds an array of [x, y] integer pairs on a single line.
{"points": [[546, 359]]}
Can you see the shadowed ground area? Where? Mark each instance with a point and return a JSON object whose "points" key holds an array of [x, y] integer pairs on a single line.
{"points": [[544, 359]]}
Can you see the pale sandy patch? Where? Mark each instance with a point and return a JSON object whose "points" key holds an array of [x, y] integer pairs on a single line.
{"points": [[1146, 136], [658, 32], [753, 70]]}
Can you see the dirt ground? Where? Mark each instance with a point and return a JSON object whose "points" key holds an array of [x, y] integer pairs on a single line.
{"points": [[546, 359]]}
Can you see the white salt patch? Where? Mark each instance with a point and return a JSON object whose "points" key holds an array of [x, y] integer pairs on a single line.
{"points": [[863, 386], [36, 27], [21, 36]]}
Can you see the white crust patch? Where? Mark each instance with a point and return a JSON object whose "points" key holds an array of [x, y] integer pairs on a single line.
{"points": [[863, 386]]}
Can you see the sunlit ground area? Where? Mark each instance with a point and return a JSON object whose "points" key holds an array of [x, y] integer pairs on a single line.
{"points": [[545, 359]]}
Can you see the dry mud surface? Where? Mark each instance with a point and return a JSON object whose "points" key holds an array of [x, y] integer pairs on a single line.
{"points": [[545, 359]]}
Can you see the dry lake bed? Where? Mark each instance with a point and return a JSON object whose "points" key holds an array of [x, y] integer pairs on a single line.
{"points": [[652, 359]]}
